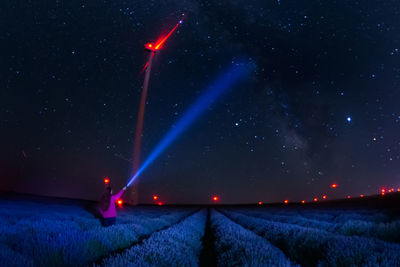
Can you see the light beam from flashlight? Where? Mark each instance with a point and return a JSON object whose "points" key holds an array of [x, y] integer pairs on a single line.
{"points": [[215, 91]]}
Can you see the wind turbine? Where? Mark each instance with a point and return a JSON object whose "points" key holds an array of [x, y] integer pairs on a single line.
{"points": [[152, 48]]}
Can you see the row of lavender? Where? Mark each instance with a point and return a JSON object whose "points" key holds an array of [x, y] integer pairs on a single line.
{"points": [[316, 247], [342, 222], [37, 234], [178, 245], [331, 215], [237, 246]]}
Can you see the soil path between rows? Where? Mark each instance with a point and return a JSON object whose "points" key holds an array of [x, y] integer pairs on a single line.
{"points": [[208, 256]]}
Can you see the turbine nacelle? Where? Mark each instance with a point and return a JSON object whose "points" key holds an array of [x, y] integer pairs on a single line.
{"points": [[150, 47]]}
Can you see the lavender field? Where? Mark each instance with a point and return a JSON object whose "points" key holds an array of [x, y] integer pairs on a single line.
{"points": [[51, 232]]}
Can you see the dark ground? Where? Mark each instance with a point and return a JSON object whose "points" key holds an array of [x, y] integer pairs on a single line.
{"points": [[208, 256]]}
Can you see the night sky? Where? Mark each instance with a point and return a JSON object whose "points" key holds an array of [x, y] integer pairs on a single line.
{"points": [[322, 105]]}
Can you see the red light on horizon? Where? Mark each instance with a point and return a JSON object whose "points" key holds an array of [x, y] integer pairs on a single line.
{"points": [[106, 180], [155, 197], [324, 197], [119, 202], [303, 201], [215, 198], [286, 201], [348, 196], [159, 203], [361, 195], [260, 203], [334, 185], [315, 199]]}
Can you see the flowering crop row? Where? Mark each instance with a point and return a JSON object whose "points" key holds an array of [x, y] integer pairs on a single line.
{"points": [[314, 247], [389, 231], [46, 235], [327, 215], [237, 246], [179, 245], [343, 215]]}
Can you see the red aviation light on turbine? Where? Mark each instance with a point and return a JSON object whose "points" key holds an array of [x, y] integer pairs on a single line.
{"points": [[149, 47], [334, 185], [155, 197], [303, 202], [286, 201], [159, 203], [260, 203], [315, 199], [324, 196], [215, 198], [106, 180], [361, 195], [383, 191], [348, 197]]}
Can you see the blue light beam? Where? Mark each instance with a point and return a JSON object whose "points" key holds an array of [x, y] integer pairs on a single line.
{"points": [[220, 86]]}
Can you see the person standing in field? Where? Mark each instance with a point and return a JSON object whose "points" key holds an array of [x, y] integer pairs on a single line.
{"points": [[107, 206]]}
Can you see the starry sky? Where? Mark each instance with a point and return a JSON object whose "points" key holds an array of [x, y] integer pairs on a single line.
{"points": [[320, 107]]}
